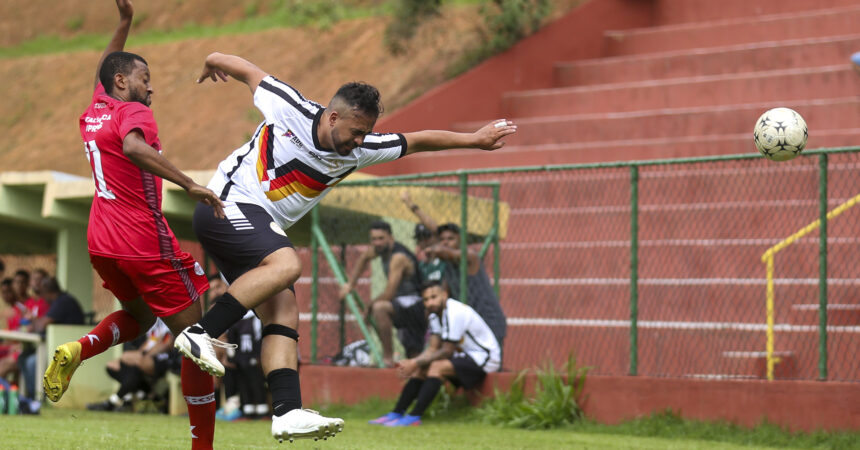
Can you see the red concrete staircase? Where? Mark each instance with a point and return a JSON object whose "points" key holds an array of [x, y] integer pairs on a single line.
{"points": [[637, 80]]}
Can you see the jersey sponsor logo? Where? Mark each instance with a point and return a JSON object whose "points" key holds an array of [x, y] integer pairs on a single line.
{"points": [[99, 105], [293, 138], [94, 124]]}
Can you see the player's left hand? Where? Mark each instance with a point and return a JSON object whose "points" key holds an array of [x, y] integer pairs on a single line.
{"points": [[212, 73], [490, 135], [126, 9], [205, 195]]}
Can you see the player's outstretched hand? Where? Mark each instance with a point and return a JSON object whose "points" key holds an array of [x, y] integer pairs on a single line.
{"points": [[203, 194], [212, 73], [490, 135], [126, 9], [345, 289]]}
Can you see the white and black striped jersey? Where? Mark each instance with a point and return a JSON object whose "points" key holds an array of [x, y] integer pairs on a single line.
{"points": [[460, 324], [283, 168]]}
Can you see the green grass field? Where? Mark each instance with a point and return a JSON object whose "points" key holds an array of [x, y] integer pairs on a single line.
{"points": [[86, 430]]}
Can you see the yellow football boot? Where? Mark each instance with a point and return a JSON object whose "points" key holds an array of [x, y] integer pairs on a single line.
{"points": [[67, 358]]}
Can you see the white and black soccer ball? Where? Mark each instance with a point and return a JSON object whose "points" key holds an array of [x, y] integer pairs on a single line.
{"points": [[780, 134]]}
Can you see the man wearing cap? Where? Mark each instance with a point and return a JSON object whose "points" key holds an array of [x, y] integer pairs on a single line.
{"points": [[400, 304]]}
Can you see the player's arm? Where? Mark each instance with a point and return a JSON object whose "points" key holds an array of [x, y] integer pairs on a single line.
{"points": [[425, 219], [443, 351], [487, 137], [399, 265], [453, 256], [357, 270], [219, 65], [408, 368], [117, 42], [149, 159]]}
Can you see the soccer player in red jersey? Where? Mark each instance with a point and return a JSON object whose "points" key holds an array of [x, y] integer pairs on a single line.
{"points": [[130, 244]]}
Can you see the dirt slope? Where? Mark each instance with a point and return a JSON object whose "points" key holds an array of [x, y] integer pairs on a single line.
{"points": [[43, 96]]}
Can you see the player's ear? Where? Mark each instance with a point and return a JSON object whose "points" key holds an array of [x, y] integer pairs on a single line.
{"points": [[332, 118], [120, 81]]}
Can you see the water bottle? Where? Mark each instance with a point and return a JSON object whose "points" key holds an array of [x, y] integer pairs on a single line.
{"points": [[13, 400], [2, 399]]}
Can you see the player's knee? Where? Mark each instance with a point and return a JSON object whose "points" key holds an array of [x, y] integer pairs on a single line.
{"points": [[436, 368], [381, 308]]}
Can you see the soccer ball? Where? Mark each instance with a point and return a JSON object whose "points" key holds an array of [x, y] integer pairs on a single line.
{"points": [[780, 134]]}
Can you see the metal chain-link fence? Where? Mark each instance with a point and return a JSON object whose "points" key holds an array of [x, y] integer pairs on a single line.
{"points": [[652, 268]]}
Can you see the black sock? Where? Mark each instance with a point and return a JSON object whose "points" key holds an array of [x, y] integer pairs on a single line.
{"points": [[285, 389], [113, 374], [224, 313], [131, 378], [408, 395], [428, 391]]}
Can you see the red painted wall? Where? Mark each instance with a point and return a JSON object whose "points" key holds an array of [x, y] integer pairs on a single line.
{"points": [[798, 405]]}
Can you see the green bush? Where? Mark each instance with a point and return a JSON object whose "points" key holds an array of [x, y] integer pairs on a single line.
{"points": [[555, 402], [408, 14]]}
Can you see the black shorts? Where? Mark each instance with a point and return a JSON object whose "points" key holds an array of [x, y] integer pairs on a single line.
{"points": [[239, 242], [469, 373], [411, 324]]}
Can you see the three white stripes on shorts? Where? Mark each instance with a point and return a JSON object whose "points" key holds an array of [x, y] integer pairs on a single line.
{"points": [[236, 218]]}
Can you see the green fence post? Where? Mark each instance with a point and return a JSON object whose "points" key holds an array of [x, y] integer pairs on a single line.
{"points": [[352, 300], [496, 263], [822, 267], [634, 269], [464, 236], [342, 311], [315, 217]]}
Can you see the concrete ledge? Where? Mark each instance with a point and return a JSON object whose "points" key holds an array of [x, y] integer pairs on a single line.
{"points": [[798, 405]]}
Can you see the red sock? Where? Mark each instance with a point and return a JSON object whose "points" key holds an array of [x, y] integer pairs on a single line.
{"points": [[198, 389], [116, 328]]}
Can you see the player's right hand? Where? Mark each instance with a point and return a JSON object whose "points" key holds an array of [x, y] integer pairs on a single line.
{"points": [[211, 72], [205, 195], [126, 9]]}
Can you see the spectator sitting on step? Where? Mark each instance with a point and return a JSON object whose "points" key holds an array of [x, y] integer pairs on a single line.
{"points": [[9, 350], [33, 306], [462, 350], [137, 370]]}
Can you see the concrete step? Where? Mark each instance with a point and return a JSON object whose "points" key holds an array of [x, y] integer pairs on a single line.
{"points": [[789, 85], [847, 314], [684, 11], [720, 33], [825, 114], [573, 152], [755, 363], [687, 63]]}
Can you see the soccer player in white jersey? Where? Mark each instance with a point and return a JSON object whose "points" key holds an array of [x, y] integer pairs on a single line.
{"points": [[300, 151], [463, 349]]}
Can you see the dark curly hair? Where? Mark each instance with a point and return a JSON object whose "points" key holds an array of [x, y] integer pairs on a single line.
{"points": [[360, 96], [114, 63]]}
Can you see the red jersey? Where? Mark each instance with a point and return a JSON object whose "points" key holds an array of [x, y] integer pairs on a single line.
{"points": [[125, 220], [36, 307]]}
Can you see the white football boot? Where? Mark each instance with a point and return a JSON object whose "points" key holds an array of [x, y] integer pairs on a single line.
{"points": [[304, 424], [196, 345]]}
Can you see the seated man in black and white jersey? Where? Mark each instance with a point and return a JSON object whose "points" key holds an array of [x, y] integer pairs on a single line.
{"points": [[462, 350]]}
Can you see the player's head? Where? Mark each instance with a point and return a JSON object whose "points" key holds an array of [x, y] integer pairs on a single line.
{"points": [[449, 235], [6, 291], [380, 236], [435, 294], [126, 76], [49, 288], [352, 113], [423, 236]]}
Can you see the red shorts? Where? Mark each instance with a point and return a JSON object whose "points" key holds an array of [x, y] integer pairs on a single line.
{"points": [[167, 285]]}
